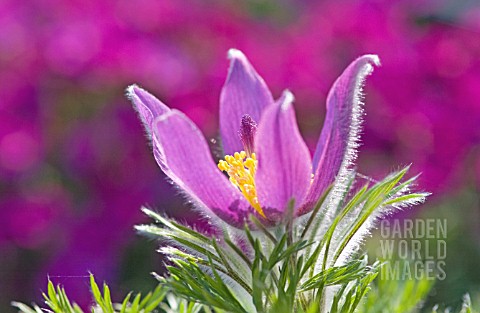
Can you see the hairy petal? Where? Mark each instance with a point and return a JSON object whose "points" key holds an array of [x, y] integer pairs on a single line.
{"points": [[186, 160], [244, 92], [147, 106], [284, 163], [336, 147]]}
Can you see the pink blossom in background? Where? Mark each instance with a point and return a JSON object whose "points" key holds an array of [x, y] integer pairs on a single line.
{"points": [[70, 154]]}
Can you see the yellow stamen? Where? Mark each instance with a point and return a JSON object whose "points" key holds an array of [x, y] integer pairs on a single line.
{"points": [[241, 170]]}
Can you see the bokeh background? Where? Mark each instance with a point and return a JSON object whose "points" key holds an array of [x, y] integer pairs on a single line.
{"points": [[74, 162]]}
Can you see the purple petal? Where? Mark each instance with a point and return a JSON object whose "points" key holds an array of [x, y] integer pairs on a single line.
{"points": [[147, 106], [284, 163], [338, 141], [186, 160], [244, 92]]}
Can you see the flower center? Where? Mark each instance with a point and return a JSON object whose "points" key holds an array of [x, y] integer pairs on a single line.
{"points": [[241, 171], [247, 131]]}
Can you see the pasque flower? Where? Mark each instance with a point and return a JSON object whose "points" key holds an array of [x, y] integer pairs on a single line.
{"points": [[268, 166]]}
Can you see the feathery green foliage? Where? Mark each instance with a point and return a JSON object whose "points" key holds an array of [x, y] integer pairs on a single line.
{"points": [[396, 296], [158, 300], [307, 264]]}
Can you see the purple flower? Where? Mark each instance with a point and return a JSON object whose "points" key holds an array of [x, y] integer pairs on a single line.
{"points": [[267, 161]]}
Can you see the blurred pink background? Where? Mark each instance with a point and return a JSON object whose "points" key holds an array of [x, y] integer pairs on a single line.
{"points": [[74, 162]]}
